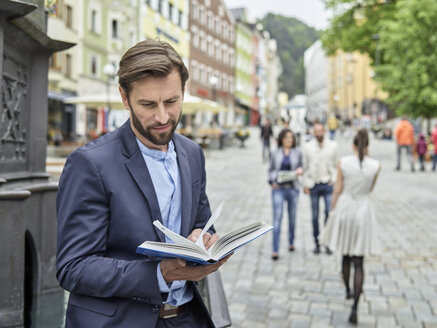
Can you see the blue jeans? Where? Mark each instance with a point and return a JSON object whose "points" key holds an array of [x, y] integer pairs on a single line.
{"points": [[266, 149], [434, 162], [279, 196], [320, 190]]}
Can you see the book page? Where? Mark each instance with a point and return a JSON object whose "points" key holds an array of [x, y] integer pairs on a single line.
{"points": [[176, 238], [212, 219], [238, 238], [166, 249]]}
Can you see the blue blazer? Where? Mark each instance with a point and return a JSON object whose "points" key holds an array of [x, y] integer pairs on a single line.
{"points": [[105, 206]]}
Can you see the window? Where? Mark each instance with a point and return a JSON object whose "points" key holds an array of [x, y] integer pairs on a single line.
{"points": [[203, 78], [225, 54], [93, 21], [195, 9], [69, 16], [195, 70], [202, 15], [170, 12], [218, 25], [195, 36], [93, 66], [114, 29], [68, 65], [232, 58], [131, 38], [210, 46], [180, 18], [160, 9], [210, 20], [225, 30], [203, 45], [218, 50], [54, 62]]}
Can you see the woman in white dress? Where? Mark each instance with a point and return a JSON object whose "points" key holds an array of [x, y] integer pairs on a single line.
{"points": [[352, 228]]}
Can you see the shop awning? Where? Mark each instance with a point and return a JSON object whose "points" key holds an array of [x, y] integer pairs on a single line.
{"points": [[58, 96], [193, 104], [97, 100]]}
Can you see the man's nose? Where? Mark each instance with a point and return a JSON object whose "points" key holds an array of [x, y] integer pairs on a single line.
{"points": [[161, 114]]}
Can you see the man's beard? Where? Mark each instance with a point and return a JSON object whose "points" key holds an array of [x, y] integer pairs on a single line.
{"points": [[319, 139], [159, 139]]}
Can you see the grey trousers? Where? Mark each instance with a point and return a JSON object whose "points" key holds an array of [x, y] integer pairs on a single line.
{"points": [[408, 149]]}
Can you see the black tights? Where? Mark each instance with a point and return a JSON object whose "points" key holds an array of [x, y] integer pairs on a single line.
{"points": [[358, 275]]}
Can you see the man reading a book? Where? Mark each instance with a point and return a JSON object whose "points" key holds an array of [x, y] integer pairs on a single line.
{"points": [[111, 191]]}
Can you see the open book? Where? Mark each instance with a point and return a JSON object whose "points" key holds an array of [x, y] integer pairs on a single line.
{"points": [[196, 252], [286, 176]]}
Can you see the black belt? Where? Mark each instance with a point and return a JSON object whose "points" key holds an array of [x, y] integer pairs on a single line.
{"points": [[168, 311]]}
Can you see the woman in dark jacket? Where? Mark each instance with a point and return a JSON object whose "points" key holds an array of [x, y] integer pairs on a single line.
{"points": [[285, 167]]}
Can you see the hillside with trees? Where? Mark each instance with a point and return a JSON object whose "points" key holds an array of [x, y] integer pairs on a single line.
{"points": [[293, 38]]}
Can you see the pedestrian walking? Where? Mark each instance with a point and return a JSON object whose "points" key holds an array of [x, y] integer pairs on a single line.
{"points": [[266, 135], [421, 148], [319, 164], [404, 134], [285, 167], [111, 191], [332, 125], [434, 142], [352, 227]]}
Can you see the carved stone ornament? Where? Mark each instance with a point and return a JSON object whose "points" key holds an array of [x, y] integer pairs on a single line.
{"points": [[12, 128]]}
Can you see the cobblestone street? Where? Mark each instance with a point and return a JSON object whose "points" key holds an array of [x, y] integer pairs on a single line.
{"points": [[305, 290]]}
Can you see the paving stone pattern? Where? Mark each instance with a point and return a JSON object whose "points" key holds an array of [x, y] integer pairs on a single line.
{"points": [[305, 290]]}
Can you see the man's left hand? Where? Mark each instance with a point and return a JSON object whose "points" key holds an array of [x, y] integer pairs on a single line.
{"points": [[208, 239]]}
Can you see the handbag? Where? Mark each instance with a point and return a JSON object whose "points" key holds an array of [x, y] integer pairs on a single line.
{"points": [[213, 294]]}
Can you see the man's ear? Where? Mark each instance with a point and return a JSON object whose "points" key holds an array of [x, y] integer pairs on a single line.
{"points": [[124, 98]]}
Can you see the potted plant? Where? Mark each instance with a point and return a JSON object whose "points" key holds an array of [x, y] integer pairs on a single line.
{"points": [[242, 135]]}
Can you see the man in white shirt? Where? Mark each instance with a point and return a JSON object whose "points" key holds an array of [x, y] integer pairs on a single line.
{"points": [[319, 163]]}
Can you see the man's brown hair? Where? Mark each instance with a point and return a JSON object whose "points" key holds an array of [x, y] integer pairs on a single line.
{"points": [[150, 58]]}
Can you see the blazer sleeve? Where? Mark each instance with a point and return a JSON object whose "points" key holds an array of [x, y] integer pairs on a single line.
{"points": [[83, 217]]}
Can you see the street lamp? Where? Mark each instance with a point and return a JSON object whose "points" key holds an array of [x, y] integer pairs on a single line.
{"points": [[109, 71]]}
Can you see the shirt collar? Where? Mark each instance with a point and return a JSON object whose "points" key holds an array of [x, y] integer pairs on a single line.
{"points": [[157, 154]]}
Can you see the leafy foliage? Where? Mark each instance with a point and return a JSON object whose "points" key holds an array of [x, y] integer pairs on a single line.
{"points": [[293, 38], [409, 72]]}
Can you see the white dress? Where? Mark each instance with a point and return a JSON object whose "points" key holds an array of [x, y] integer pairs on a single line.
{"points": [[351, 228]]}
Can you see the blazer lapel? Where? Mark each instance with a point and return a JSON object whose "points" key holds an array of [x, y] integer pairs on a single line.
{"points": [[137, 168], [186, 188]]}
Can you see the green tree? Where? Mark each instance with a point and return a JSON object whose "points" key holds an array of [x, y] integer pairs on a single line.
{"points": [[293, 38], [409, 69], [356, 24]]}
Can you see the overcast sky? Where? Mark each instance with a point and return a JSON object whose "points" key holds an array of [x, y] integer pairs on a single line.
{"points": [[312, 12]]}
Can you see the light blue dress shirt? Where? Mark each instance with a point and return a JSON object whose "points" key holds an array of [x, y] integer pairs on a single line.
{"points": [[164, 171]]}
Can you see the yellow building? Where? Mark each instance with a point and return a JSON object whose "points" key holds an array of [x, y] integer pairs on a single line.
{"points": [[167, 20], [352, 90]]}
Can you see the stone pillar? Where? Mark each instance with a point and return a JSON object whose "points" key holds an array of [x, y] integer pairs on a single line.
{"points": [[29, 293]]}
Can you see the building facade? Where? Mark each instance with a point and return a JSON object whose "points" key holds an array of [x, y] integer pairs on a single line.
{"points": [[211, 62], [316, 82], [245, 90], [352, 91], [102, 30], [341, 84]]}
